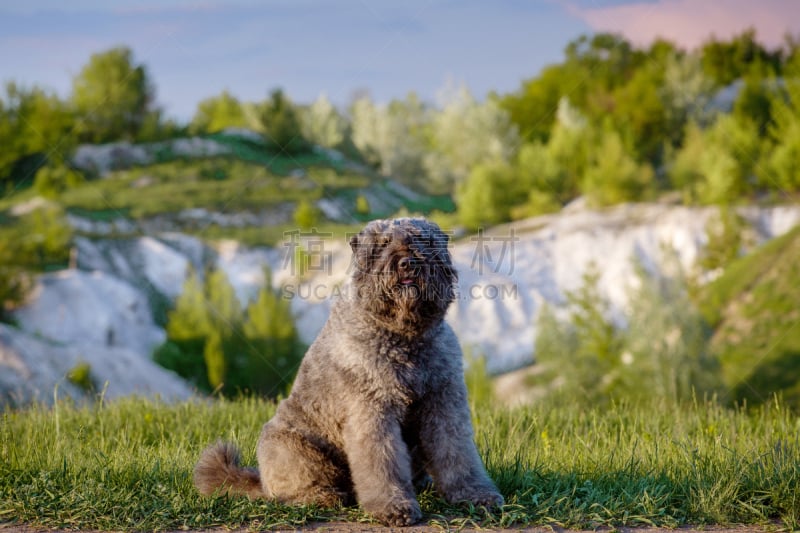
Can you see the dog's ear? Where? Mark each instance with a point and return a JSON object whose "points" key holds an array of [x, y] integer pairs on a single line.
{"points": [[355, 241]]}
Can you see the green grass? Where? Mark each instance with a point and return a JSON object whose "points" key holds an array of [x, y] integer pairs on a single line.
{"points": [[276, 235], [126, 465]]}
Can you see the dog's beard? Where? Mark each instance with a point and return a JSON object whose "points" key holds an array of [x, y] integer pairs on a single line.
{"points": [[410, 300]]}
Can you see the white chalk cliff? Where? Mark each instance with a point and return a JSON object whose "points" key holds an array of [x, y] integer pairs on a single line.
{"points": [[101, 314]]}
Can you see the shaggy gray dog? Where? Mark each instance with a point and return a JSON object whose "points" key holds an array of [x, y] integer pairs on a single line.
{"points": [[379, 405]]}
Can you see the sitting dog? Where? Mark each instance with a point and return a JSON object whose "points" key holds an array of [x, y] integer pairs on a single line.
{"points": [[379, 405]]}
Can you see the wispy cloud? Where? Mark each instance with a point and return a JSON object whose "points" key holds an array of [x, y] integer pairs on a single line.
{"points": [[692, 22]]}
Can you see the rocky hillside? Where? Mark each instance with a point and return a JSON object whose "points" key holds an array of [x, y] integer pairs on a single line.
{"points": [[106, 312]]}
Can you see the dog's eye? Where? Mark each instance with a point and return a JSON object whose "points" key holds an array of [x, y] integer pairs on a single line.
{"points": [[384, 240]]}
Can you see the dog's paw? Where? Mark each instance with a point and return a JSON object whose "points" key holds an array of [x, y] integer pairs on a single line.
{"points": [[480, 496], [488, 499], [399, 513]]}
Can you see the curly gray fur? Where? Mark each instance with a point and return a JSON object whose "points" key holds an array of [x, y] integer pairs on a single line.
{"points": [[379, 405]]}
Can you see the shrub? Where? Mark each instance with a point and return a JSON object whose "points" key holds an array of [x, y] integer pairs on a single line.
{"points": [[51, 181], [306, 215], [80, 375]]}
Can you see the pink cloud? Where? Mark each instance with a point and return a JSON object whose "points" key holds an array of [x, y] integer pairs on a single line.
{"points": [[689, 23]]}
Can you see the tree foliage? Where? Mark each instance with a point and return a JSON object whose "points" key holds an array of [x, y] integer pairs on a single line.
{"points": [[35, 126], [392, 137], [613, 175], [466, 133], [307, 215], [281, 124], [717, 165], [52, 180], [112, 96], [219, 346], [782, 164], [322, 124], [727, 61], [487, 195], [217, 113], [660, 354]]}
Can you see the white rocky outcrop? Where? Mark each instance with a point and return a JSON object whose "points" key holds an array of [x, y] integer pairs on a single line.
{"points": [[83, 317], [101, 313], [103, 158], [508, 273]]}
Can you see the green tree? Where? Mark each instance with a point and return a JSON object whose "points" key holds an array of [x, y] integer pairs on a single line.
{"points": [[716, 166], [781, 166], [665, 352], [273, 346], [393, 137], [322, 124], [219, 347], [727, 61], [112, 96], [306, 215], [754, 101], [189, 320], [639, 110], [613, 175], [35, 127], [686, 92], [215, 359], [532, 107], [224, 309], [581, 355], [281, 125], [487, 196], [552, 172], [725, 236], [465, 134], [684, 171], [217, 113], [660, 355]]}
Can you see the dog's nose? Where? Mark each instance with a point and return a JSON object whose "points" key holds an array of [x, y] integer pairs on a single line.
{"points": [[404, 263]]}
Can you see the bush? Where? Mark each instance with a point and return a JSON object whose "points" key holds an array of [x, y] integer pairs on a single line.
{"points": [[306, 215], [51, 181], [81, 376], [362, 205], [15, 283]]}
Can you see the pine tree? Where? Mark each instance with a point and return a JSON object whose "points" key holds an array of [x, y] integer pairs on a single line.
{"points": [[273, 354]]}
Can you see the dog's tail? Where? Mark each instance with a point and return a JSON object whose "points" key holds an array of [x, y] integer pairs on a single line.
{"points": [[218, 472]]}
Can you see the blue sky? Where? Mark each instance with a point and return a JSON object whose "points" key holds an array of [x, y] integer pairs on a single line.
{"points": [[196, 48]]}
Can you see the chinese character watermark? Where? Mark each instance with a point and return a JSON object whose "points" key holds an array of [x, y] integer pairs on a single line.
{"points": [[306, 253], [482, 254]]}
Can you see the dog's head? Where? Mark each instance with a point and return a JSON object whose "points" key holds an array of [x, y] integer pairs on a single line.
{"points": [[402, 272]]}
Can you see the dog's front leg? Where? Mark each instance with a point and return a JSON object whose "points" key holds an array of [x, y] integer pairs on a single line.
{"points": [[447, 439], [381, 467]]}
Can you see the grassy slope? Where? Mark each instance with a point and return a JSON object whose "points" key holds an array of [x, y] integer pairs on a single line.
{"points": [[127, 465], [754, 308], [250, 179]]}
